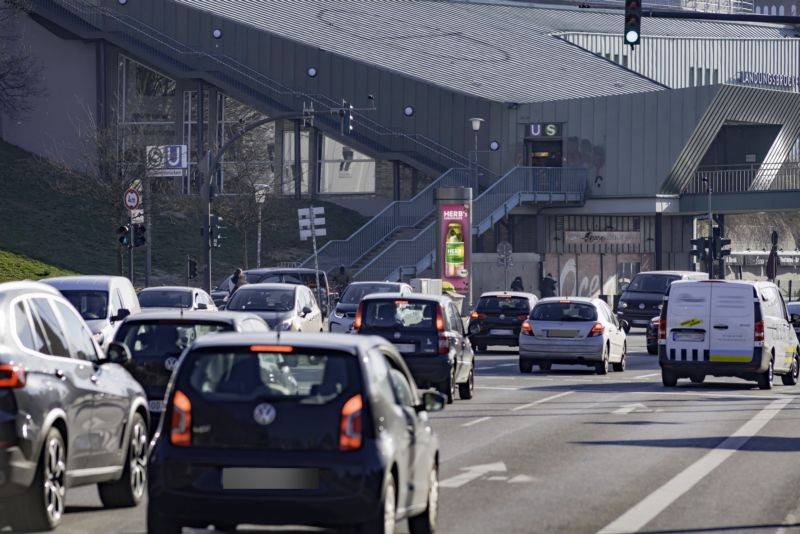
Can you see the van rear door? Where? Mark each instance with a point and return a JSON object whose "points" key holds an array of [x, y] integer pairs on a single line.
{"points": [[688, 315], [732, 322]]}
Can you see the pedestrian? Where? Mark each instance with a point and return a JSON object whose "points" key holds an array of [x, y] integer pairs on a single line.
{"points": [[548, 286], [341, 279], [516, 285], [238, 279]]}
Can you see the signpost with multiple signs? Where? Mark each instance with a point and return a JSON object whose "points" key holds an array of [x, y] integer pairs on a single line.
{"points": [[312, 221]]}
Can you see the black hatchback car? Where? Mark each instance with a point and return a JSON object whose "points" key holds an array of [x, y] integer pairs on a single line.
{"points": [[428, 331], [498, 317], [348, 445], [156, 340]]}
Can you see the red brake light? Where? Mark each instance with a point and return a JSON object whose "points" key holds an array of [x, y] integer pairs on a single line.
{"points": [[181, 427], [476, 315], [758, 331], [527, 329], [662, 329], [597, 330], [439, 319], [12, 376], [270, 348], [350, 428], [357, 320]]}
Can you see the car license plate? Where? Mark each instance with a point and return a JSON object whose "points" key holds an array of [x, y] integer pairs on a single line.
{"points": [[405, 347], [689, 336], [501, 332], [156, 406], [562, 333], [641, 321], [264, 478]]}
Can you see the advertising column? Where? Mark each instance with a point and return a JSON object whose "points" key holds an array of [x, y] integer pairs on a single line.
{"points": [[454, 238]]}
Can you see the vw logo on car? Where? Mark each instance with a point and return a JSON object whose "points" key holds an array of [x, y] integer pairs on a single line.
{"points": [[170, 363], [264, 414]]}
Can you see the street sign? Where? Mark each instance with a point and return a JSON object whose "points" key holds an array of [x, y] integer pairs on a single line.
{"points": [[132, 199], [311, 222], [167, 160]]}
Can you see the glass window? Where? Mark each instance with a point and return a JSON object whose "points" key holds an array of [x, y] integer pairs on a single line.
{"points": [[345, 170], [504, 304], [164, 338], [288, 162], [455, 320], [564, 311], [400, 314], [402, 389], [91, 305], [23, 327], [148, 96], [262, 300], [355, 292], [651, 283], [53, 333], [116, 303], [378, 370], [79, 337], [159, 298]]}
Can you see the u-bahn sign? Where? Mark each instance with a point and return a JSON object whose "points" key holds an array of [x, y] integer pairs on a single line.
{"points": [[167, 160]]}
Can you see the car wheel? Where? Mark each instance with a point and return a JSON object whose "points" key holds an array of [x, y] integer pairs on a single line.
{"points": [[765, 379], [652, 349], [545, 366], [384, 523], [668, 378], [161, 524], [697, 379], [448, 388], [790, 378], [41, 507], [465, 389], [620, 367], [525, 366], [601, 368], [129, 490], [627, 328], [425, 523]]}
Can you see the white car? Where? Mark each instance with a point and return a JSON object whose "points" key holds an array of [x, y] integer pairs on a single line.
{"points": [[176, 297], [286, 307], [574, 330]]}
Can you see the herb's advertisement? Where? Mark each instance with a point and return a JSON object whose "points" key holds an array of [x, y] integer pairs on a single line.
{"points": [[455, 248]]}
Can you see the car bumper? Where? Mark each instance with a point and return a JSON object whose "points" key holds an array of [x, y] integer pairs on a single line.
{"points": [[689, 367], [428, 370], [638, 318], [575, 351], [16, 473], [190, 488], [488, 340]]}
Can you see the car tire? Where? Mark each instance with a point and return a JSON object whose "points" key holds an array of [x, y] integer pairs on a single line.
{"points": [[425, 523], [766, 378], [465, 390], [162, 524], [620, 367], [652, 350], [601, 368], [668, 378], [525, 366], [627, 328], [32, 511], [448, 388], [545, 366], [130, 488], [697, 379], [384, 523], [790, 378]]}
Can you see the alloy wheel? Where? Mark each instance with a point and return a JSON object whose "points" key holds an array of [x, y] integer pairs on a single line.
{"points": [[138, 460], [433, 497], [389, 510], [54, 480]]}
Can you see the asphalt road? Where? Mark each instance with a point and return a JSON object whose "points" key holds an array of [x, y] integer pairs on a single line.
{"points": [[571, 452]]}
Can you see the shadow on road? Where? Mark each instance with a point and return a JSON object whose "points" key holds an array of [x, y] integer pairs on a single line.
{"points": [[723, 529], [752, 444]]}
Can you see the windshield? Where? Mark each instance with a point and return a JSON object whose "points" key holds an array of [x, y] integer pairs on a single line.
{"points": [[651, 283], [164, 338], [277, 300], [92, 305], [165, 299], [400, 314], [564, 311], [503, 304], [304, 279], [355, 292]]}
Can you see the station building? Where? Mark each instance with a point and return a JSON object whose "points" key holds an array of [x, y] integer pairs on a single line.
{"points": [[590, 158]]}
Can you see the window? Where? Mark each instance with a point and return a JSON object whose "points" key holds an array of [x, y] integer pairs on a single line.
{"points": [[781, 11], [344, 169], [116, 303], [51, 328], [288, 162], [794, 10], [79, 337], [455, 320], [378, 370], [91, 304], [402, 389], [23, 327]]}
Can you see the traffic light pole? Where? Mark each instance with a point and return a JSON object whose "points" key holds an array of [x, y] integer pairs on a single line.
{"points": [[130, 246], [710, 234]]}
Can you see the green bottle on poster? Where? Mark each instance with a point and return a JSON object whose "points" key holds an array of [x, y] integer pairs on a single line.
{"points": [[454, 250]]}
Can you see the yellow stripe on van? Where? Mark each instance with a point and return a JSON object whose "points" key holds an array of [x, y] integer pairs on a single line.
{"points": [[729, 358], [692, 322]]}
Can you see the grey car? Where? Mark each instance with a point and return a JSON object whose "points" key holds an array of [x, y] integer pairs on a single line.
{"points": [[341, 320], [287, 307], [68, 416]]}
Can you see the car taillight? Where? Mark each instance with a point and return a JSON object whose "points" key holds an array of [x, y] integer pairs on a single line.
{"points": [[476, 315], [357, 320], [758, 331], [350, 428], [439, 319], [181, 428], [12, 376], [444, 343], [527, 329], [597, 330], [662, 330]]}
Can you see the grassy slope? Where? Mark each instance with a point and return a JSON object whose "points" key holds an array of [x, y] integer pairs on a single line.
{"points": [[15, 267], [36, 221]]}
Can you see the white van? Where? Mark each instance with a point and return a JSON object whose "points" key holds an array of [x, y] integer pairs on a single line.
{"points": [[726, 328], [102, 301]]}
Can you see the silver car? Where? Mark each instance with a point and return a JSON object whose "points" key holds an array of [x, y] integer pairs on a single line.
{"points": [[287, 307], [176, 297], [574, 330], [341, 320]]}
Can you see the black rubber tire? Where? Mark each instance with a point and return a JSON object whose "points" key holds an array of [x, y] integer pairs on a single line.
{"points": [[448, 388], [620, 367], [465, 390], [627, 329], [525, 366], [545, 366], [131, 487], [652, 350], [766, 379], [668, 378], [425, 523], [601, 368], [378, 524], [790, 378], [30, 508], [697, 379], [162, 524]]}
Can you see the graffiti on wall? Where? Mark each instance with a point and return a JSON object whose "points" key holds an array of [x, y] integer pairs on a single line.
{"points": [[580, 275]]}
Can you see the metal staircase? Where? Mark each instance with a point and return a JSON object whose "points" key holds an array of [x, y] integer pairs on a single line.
{"points": [[546, 185]]}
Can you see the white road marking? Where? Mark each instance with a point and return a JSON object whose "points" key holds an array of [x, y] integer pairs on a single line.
{"points": [[497, 478], [471, 473], [630, 408], [506, 365], [519, 479], [476, 421], [648, 376], [518, 388], [641, 514], [541, 401]]}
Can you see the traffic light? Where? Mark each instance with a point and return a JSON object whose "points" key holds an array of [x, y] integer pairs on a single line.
{"points": [[124, 235], [700, 250], [633, 22], [139, 235], [192, 268], [346, 117], [216, 231], [719, 247]]}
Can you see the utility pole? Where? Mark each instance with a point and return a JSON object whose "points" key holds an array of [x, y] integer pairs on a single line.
{"points": [[710, 233]]}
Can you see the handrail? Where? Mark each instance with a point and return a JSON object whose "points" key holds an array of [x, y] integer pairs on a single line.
{"points": [[765, 177], [383, 266]]}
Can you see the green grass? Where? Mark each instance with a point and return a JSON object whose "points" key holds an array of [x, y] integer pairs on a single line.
{"points": [[39, 222], [15, 267]]}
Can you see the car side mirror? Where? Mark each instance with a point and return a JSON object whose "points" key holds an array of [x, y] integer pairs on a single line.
{"points": [[121, 314], [795, 318], [432, 401], [624, 324], [221, 307], [202, 306], [118, 353], [624, 287], [305, 311]]}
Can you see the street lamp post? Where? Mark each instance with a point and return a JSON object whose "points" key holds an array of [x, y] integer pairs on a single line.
{"points": [[476, 126], [710, 232]]}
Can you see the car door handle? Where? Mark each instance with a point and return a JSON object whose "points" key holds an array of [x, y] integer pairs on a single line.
{"points": [[60, 374], [721, 326], [93, 379]]}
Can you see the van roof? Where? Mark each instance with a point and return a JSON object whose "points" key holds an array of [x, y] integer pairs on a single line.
{"points": [[680, 273], [82, 281], [749, 283]]}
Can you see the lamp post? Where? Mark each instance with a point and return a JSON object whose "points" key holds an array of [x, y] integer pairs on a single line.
{"points": [[476, 127], [710, 231]]}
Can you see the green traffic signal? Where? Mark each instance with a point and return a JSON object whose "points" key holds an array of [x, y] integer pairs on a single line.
{"points": [[124, 235], [633, 22]]}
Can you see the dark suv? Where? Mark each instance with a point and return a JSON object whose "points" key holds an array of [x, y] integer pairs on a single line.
{"points": [[156, 340], [345, 443], [498, 317], [428, 331], [282, 275], [68, 416]]}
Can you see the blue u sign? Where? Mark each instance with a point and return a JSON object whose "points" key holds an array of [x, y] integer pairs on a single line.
{"points": [[174, 157]]}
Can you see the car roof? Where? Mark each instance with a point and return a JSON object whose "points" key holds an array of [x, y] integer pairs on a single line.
{"points": [[750, 283], [507, 293], [82, 281], [268, 270], [12, 289], [268, 285], [343, 342], [584, 300], [366, 282], [407, 296], [170, 288], [680, 273], [190, 315]]}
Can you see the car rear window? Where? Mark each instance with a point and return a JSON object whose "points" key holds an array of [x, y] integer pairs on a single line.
{"points": [[305, 279], [315, 376], [165, 299], [400, 314], [503, 304], [92, 305], [651, 283], [354, 293], [275, 300], [564, 311], [164, 337]]}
